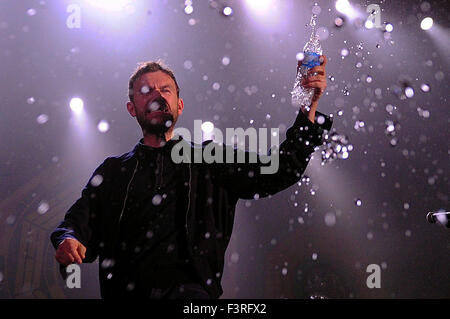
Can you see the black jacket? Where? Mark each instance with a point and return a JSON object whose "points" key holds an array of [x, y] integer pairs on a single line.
{"points": [[209, 201]]}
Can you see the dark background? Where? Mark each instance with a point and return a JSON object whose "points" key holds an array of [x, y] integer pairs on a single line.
{"points": [[48, 164]]}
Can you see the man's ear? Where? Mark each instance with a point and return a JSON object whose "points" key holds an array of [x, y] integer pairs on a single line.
{"points": [[131, 109], [180, 106]]}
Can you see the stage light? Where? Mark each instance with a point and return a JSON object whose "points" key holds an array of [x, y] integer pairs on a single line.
{"points": [[343, 6], [111, 5], [76, 105], [426, 23], [259, 6]]}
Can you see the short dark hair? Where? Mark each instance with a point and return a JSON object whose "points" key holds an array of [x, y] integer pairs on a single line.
{"points": [[149, 67]]}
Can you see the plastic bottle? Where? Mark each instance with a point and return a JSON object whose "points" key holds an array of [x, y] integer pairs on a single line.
{"points": [[312, 51]]}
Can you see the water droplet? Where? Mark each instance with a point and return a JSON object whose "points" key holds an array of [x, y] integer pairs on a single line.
{"points": [[338, 22], [96, 180], [156, 200], [216, 86], [314, 256], [358, 202], [323, 33], [187, 64], [103, 126], [43, 207], [409, 92], [284, 271], [330, 219], [42, 119], [226, 60], [31, 100], [439, 75], [425, 88], [316, 9], [10, 220], [227, 11], [107, 263], [31, 12], [189, 9]]}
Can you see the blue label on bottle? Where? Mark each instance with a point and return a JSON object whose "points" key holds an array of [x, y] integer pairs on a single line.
{"points": [[311, 60]]}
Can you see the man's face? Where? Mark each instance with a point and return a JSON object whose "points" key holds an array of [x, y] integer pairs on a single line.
{"points": [[156, 105]]}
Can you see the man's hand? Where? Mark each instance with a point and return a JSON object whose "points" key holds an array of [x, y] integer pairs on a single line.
{"points": [[318, 81], [70, 251]]}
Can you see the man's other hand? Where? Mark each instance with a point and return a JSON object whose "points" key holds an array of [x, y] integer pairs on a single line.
{"points": [[70, 251]]}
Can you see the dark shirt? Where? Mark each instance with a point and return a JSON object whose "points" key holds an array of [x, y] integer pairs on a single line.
{"points": [[152, 226]]}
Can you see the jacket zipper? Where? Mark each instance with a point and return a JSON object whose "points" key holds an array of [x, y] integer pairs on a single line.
{"points": [[189, 201], [161, 164], [126, 195]]}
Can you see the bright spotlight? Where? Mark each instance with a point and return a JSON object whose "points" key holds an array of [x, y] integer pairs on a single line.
{"points": [[343, 6], [260, 6], [426, 23], [111, 5], [76, 105]]}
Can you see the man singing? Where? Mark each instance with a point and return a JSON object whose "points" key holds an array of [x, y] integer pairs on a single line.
{"points": [[160, 227]]}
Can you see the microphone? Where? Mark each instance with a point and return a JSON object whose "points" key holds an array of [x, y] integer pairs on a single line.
{"points": [[440, 216]]}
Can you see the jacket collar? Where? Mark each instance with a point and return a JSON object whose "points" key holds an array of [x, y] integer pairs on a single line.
{"points": [[144, 151]]}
